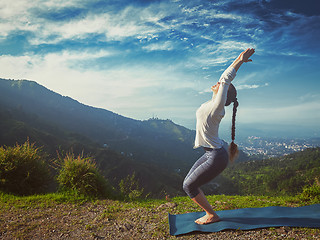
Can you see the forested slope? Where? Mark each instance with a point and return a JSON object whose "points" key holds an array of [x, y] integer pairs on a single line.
{"points": [[285, 175]]}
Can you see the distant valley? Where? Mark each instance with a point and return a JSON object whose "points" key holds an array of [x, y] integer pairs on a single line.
{"points": [[264, 147]]}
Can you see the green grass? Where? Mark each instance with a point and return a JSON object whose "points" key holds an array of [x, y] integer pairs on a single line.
{"points": [[221, 202], [144, 212], [42, 200]]}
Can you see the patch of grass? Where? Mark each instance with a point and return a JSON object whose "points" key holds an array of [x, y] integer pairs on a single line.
{"points": [[41, 200], [224, 202], [184, 204], [66, 212]]}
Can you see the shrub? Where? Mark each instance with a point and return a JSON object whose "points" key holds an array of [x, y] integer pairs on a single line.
{"points": [[81, 175], [311, 192], [23, 170], [129, 187]]}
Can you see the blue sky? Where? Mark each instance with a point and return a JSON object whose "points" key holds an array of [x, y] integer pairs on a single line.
{"points": [[159, 58]]}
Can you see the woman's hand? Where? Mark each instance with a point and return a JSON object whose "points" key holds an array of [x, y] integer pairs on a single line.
{"points": [[245, 55]]}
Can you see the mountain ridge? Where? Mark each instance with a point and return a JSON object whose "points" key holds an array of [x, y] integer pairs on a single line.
{"points": [[159, 149], [173, 142]]}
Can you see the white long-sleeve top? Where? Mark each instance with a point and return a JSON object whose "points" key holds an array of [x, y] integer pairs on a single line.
{"points": [[210, 113]]}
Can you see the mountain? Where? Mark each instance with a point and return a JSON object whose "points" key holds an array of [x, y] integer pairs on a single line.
{"points": [[159, 151], [16, 126], [161, 142]]}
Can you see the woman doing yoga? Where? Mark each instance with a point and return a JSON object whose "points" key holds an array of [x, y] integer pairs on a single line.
{"points": [[215, 158]]}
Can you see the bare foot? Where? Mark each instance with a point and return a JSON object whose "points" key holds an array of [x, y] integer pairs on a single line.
{"points": [[206, 219]]}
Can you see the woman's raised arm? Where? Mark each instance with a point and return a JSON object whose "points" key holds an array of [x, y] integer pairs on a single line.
{"points": [[243, 57]]}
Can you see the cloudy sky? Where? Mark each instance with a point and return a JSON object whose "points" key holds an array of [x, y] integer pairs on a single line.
{"points": [[145, 59]]}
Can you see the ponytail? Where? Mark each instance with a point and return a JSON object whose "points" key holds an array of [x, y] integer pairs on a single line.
{"points": [[233, 148]]}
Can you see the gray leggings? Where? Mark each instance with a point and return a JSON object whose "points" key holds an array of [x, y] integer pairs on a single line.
{"points": [[206, 168]]}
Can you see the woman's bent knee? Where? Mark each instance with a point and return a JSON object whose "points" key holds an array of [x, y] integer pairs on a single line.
{"points": [[190, 190]]}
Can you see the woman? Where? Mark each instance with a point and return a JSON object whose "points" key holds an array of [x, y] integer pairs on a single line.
{"points": [[215, 159]]}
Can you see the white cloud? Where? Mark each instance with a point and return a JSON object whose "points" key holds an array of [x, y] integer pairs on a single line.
{"points": [[56, 71], [207, 90], [209, 15], [62, 3], [66, 56], [116, 25], [253, 86], [148, 37], [10, 9], [234, 45], [247, 86], [80, 27], [113, 26], [162, 46], [14, 15], [206, 62], [20, 15], [235, 17], [214, 55], [129, 89]]}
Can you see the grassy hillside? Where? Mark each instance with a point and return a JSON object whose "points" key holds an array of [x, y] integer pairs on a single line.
{"points": [[17, 126], [65, 216], [286, 175]]}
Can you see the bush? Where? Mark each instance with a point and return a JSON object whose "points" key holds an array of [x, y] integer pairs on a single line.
{"points": [[311, 192], [81, 175], [23, 170], [129, 187]]}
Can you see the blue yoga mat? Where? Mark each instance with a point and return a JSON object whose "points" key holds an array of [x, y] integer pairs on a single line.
{"points": [[248, 218]]}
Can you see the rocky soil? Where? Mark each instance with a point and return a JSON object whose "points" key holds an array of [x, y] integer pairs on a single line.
{"points": [[109, 219]]}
